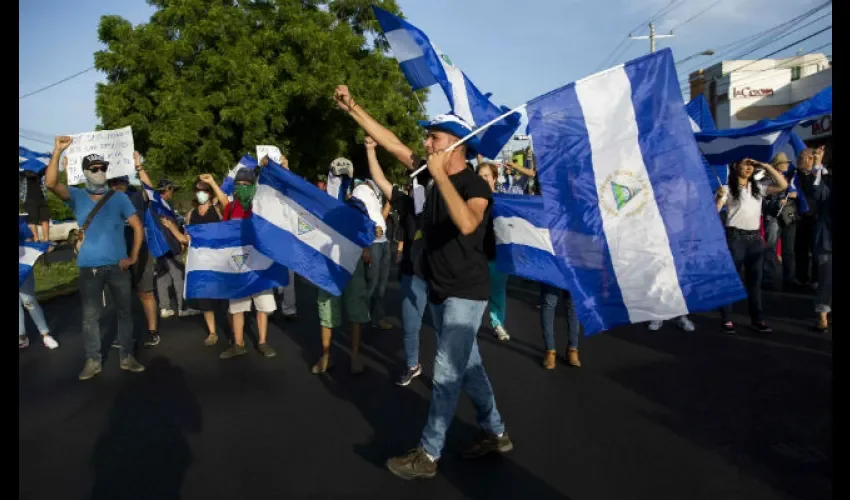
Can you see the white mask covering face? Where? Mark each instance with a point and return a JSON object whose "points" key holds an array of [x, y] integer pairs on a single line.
{"points": [[95, 181], [202, 197]]}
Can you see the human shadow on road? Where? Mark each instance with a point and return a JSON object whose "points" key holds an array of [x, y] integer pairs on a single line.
{"points": [[398, 414], [765, 409], [143, 454]]}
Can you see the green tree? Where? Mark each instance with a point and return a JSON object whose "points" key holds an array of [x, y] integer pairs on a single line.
{"points": [[205, 81]]}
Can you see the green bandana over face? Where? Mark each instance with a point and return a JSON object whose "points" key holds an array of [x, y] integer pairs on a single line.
{"points": [[244, 194]]}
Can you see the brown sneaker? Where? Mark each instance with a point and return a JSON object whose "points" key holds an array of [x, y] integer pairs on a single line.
{"points": [[322, 366], [233, 351], [487, 442], [211, 340], [549, 360], [385, 325], [266, 350], [90, 369], [131, 365], [414, 465], [572, 357]]}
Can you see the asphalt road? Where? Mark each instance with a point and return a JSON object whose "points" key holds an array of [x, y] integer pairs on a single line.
{"points": [[650, 415]]}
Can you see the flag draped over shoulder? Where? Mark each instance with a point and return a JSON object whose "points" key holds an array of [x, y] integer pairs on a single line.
{"points": [[423, 64], [222, 264], [626, 198], [28, 254], [300, 226]]}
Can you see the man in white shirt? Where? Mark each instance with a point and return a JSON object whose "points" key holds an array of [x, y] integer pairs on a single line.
{"points": [[378, 271]]}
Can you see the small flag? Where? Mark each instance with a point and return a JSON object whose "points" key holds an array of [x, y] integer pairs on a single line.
{"points": [[221, 265], [28, 254]]}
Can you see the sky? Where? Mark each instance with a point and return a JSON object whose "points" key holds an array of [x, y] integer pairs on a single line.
{"points": [[515, 49]]}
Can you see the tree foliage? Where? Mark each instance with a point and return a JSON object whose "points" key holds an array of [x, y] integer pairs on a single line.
{"points": [[206, 81]]}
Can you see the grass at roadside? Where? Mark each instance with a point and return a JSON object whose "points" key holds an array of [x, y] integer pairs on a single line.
{"points": [[52, 280]]}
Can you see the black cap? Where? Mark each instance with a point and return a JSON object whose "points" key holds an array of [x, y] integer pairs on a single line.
{"points": [[244, 175], [94, 159], [165, 184]]}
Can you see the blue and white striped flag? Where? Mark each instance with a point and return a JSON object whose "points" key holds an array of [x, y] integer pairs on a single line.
{"points": [[300, 226], [761, 141], [229, 182], [701, 119], [159, 206], [222, 264], [32, 160], [423, 64], [619, 166], [28, 253]]}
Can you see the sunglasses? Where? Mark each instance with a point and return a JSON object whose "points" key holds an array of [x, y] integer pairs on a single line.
{"points": [[96, 169]]}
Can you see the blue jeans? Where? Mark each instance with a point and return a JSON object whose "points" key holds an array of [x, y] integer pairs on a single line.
{"points": [[498, 295], [93, 282], [413, 300], [457, 366], [26, 300], [548, 302], [377, 274]]}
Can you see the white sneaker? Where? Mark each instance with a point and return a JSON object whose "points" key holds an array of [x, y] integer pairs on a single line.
{"points": [[188, 312], [685, 324], [655, 325], [49, 342], [501, 333], [166, 313], [23, 342]]}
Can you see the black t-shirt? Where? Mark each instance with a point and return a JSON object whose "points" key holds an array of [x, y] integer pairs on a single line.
{"points": [[35, 195], [455, 265]]}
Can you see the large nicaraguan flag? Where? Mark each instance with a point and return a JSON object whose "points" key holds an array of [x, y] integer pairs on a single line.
{"points": [[32, 160], [300, 226], [423, 64], [229, 182], [28, 253], [761, 141], [620, 170], [221, 264]]}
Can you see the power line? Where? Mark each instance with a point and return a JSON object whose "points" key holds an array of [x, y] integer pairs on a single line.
{"points": [[623, 44], [34, 139], [685, 78], [764, 38], [57, 83], [696, 15]]}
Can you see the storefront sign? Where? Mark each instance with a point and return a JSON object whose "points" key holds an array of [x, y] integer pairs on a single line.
{"points": [[821, 127], [751, 92]]}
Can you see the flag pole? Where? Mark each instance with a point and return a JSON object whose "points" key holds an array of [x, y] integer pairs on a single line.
{"points": [[473, 134]]}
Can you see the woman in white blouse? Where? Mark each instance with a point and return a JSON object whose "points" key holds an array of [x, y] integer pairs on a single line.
{"points": [[743, 201]]}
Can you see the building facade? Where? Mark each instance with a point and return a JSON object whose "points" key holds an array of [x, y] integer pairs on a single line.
{"points": [[740, 93]]}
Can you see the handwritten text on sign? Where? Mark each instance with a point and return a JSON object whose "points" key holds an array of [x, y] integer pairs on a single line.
{"points": [[116, 147], [271, 151]]}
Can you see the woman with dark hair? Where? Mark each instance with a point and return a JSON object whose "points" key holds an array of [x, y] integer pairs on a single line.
{"points": [[498, 280], [743, 201]]}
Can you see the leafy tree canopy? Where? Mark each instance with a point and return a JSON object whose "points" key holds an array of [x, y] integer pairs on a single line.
{"points": [[206, 81]]}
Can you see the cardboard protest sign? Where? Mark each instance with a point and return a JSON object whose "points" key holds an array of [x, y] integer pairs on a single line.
{"points": [[116, 147]]}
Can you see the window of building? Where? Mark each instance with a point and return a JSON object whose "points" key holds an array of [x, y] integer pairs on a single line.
{"points": [[795, 73]]}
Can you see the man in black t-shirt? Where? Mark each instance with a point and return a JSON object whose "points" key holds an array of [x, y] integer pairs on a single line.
{"points": [[454, 265]]}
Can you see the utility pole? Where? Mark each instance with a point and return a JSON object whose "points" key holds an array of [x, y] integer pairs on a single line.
{"points": [[652, 36]]}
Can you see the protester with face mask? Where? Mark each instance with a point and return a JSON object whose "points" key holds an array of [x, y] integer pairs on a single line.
{"points": [[142, 272], [204, 213], [240, 208], [102, 257], [454, 264]]}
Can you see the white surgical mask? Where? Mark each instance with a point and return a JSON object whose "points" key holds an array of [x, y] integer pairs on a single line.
{"points": [[202, 197]]}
